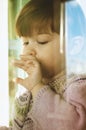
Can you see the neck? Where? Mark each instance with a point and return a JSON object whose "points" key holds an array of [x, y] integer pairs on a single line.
{"points": [[58, 74]]}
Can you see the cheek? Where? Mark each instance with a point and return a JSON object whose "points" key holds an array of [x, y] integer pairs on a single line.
{"points": [[23, 50], [48, 68], [48, 58], [48, 62]]}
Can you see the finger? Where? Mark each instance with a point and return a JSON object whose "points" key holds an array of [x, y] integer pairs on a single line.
{"points": [[27, 57], [32, 63], [22, 82], [28, 66], [20, 64], [19, 81], [17, 62], [22, 67], [25, 68]]}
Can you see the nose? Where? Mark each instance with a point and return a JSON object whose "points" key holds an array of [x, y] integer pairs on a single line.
{"points": [[32, 52], [29, 52]]}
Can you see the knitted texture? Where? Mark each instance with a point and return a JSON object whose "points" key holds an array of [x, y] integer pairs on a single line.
{"points": [[24, 103], [53, 110], [58, 83], [40, 117], [21, 106]]}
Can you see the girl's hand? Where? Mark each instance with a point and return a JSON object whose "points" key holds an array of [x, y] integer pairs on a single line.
{"points": [[30, 65]]}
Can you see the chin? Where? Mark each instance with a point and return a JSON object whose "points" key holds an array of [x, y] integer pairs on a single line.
{"points": [[48, 72], [48, 75]]}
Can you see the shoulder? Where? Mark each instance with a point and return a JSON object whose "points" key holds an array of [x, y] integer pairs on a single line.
{"points": [[76, 89], [76, 83]]}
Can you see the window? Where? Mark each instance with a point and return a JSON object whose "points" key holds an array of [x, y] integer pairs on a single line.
{"points": [[75, 36]]}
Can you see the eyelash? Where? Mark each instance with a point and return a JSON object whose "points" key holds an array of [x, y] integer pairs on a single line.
{"points": [[26, 43], [43, 42]]}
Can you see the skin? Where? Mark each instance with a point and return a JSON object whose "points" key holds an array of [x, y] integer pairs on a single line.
{"points": [[40, 58]]}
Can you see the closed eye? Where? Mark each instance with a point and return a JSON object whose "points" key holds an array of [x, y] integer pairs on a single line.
{"points": [[43, 42], [25, 43]]}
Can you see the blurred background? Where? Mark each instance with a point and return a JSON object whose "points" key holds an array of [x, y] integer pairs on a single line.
{"points": [[14, 6]]}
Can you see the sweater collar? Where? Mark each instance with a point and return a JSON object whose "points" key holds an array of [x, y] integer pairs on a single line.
{"points": [[58, 82]]}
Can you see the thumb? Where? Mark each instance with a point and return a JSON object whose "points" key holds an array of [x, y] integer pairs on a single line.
{"points": [[19, 81]]}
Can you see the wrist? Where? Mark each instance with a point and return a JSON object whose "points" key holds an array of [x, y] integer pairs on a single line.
{"points": [[36, 88]]}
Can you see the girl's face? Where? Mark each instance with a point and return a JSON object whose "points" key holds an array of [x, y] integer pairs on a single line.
{"points": [[46, 48]]}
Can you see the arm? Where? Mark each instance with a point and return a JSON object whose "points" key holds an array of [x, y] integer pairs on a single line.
{"points": [[21, 106]]}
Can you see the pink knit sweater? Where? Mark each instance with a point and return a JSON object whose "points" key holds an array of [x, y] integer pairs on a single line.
{"points": [[52, 111]]}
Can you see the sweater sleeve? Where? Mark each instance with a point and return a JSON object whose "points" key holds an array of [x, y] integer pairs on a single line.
{"points": [[21, 106], [20, 119]]}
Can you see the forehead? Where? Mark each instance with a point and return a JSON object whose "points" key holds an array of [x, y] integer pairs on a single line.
{"points": [[38, 36]]}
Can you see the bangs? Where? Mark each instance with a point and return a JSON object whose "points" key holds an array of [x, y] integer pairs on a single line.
{"points": [[26, 26], [37, 17]]}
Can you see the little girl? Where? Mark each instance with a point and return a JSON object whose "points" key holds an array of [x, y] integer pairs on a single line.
{"points": [[50, 103]]}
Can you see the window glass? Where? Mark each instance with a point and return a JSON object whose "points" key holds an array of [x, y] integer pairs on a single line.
{"points": [[75, 37]]}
